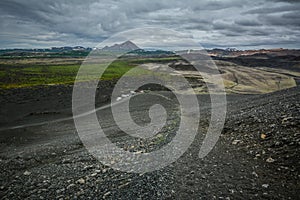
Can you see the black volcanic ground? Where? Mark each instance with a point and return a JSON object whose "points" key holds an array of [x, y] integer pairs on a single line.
{"points": [[257, 156]]}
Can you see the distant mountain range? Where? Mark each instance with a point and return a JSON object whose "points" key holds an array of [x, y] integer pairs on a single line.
{"points": [[126, 46], [260, 52], [129, 46]]}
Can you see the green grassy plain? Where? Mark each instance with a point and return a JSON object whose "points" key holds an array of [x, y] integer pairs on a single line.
{"points": [[26, 72]]}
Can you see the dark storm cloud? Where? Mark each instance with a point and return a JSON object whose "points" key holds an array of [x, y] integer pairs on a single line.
{"points": [[247, 22], [236, 23], [287, 19], [29, 10], [287, 1], [277, 9]]}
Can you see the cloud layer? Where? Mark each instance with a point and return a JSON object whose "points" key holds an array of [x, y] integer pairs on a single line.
{"points": [[223, 23]]}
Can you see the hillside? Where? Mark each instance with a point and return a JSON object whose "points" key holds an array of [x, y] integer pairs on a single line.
{"points": [[257, 154]]}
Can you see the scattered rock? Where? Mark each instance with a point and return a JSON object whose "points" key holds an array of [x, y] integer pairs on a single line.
{"points": [[93, 174], [112, 162], [88, 167], [270, 160], [81, 181], [60, 190], [27, 173], [124, 95], [286, 120], [255, 174], [106, 194], [265, 185], [138, 152], [70, 186], [123, 185], [234, 142], [263, 136]]}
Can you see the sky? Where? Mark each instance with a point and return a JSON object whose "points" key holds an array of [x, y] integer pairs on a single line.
{"points": [[213, 23]]}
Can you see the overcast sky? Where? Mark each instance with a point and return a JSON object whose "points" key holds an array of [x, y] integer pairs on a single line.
{"points": [[224, 23]]}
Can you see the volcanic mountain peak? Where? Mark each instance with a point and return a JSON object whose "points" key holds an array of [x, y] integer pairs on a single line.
{"points": [[126, 46]]}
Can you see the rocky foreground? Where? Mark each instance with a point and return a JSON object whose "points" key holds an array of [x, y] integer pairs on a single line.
{"points": [[257, 155]]}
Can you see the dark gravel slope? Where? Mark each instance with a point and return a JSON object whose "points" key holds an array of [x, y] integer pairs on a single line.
{"points": [[256, 157]]}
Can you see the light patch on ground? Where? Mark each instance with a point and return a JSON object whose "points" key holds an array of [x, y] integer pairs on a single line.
{"points": [[236, 78]]}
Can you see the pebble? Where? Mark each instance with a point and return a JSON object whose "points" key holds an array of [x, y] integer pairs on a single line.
{"points": [[60, 190], [255, 174], [123, 185], [71, 185], [234, 142], [27, 173], [138, 152], [94, 174], [265, 185], [286, 119], [81, 181], [270, 160], [263, 136], [106, 194]]}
